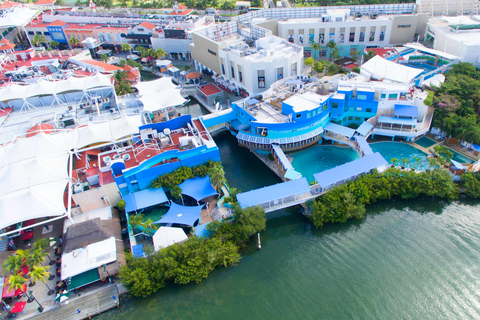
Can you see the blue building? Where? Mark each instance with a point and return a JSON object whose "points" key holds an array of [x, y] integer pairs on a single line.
{"points": [[57, 32]]}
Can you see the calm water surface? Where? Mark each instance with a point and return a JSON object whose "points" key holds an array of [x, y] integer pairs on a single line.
{"points": [[406, 260]]}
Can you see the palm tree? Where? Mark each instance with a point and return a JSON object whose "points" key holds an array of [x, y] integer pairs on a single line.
{"points": [[317, 47], [394, 161], [432, 162], [43, 244], [13, 264], [331, 45], [404, 162], [217, 175], [104, 58], [127, 47], [54, 44], [417, 160], [38, 38], [16, 282], [41, 273], [74, 42]]}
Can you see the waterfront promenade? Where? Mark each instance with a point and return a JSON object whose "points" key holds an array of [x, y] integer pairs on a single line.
{"points": [[89, 304]]}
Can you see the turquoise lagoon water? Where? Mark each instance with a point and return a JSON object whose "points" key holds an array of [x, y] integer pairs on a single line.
{"points": [[400, 150], [425, 142], [319, 158]]}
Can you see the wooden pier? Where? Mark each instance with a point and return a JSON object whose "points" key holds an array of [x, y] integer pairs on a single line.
{"points": [[88, 304]]}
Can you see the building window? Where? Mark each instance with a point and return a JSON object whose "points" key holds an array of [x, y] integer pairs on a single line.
{"points": [[309, 115], [261, 79], [359, 108], [368, 110], [31, 33], [335, 105], [46, 33], [232, 69], [392, 96], [325, 106], [212, 52], [350, 118], [294, 69], [240, 77], [39, 32], [140, 29], [357, 118], [298, 115], [383, 96], [361, 96], [223, 69], [280, 73]]}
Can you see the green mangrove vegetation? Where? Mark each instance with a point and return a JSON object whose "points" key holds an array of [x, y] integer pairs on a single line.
{"points": [[348, 201]]}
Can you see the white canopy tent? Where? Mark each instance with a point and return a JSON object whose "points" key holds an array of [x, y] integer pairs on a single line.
{"points": [[18, 16], [166, 236], [382, 69], [436, 81], [159, 94]]}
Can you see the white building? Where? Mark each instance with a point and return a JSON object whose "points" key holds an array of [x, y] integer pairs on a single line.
{"points": [[459, 36], [447, 7]]}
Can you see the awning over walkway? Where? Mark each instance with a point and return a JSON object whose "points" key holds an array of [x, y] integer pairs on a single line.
{"points": [[143, 199], [349, 170], [181, 215], [198, 189], [405, 111], [364, 128], [261, 140], [400, 121], [166, 236], [338, 129], [275, 192], [363, 144], [282, 157], [434, 52]]}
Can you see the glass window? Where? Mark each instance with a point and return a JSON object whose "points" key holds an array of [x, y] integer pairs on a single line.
{"points": [[334, 105], [280, 73], [309, 115], [325, 107], [46, 33], [261, 79], [223, 69], [357, 118], [368, 110], [361, 96], [383, 96], [240, 77], [392, 96], [298, 115], [350, 118], [359, 108]]}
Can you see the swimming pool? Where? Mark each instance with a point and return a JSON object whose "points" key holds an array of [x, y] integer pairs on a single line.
{"points": [[399, 150], [425, 142], [319, 158], [460, 157], [423, 65]]}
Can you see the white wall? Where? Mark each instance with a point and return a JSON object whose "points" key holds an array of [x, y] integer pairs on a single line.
{"points": [[172, 45]]}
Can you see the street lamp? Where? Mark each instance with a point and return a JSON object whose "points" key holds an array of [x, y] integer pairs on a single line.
{"points": [[105, 270], [30, 296]]}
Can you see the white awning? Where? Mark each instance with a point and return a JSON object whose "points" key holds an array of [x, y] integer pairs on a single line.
{"points": [[93, 133], [13, 92], [166, 236], [17, 17], [71, 84], [41, 88], [380, 68]]}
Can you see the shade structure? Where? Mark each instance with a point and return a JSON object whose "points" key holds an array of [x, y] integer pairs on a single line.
{"points": [[33, 178], [380, 68], [41, 88], [405, 111], [18, 307], [363, 144], [7, 292], [350, 170], [125, 126], [166, 236], [62, 296], [17, 16], [159, 94], [181, 215], [70, 84], [436, 81], [40, 127], [93, 133], [364, 128], [137, 251], [83, 279], [338, 129], [193, 75], [13, 92], [143, 199], [198, 189], [399, 121], [457, 165], [274, 192]]}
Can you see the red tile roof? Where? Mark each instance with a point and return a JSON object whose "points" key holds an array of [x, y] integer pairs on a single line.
{"points": [[210, 89], [57, 23], [44, 2], [7, 46], [148, 25], [40, 127], [351, 66], [9, 4], [183, 13], [105, 66], [182, 7]]}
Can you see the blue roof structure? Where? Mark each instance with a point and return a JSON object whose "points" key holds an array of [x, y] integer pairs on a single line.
{"points": [[409, 122], [336, 128], [252, 101], [282, 157], [137, 251], [198, 188], [349, 170], [367, 150], [274, 192], [292, 174], [364, 128], [143, 199], [181, 215], [476, 146], [201, 230], [405, 111]]}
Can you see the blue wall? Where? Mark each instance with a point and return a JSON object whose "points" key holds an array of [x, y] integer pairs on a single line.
{"points": [[57, 34], [176, 123], [289, 109]]}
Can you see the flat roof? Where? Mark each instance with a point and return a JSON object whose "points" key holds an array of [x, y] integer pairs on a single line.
{"points": [[409, 122], [433, 51], [305, 101], [405, 111], [364, 128], [274, 192], [350, 169]]}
